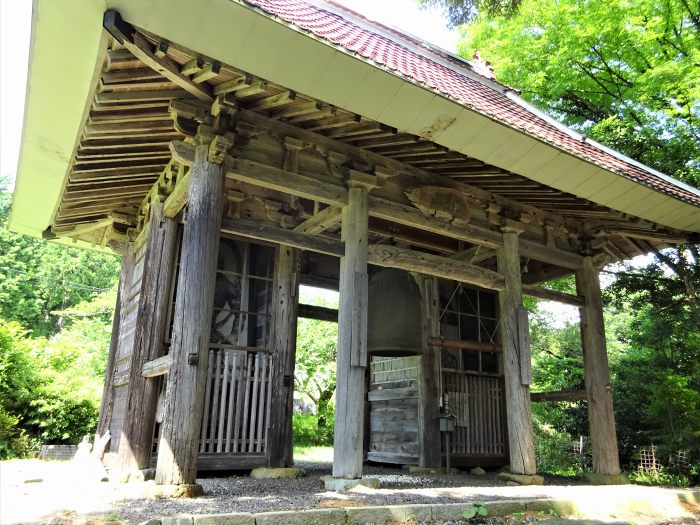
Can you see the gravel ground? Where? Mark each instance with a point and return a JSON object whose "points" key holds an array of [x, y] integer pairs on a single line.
{"points": [[240, 493], [67, 494]]}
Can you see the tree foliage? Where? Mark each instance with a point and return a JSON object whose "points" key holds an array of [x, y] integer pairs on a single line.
{"points": [[625, 73], [314, 374], [38, 278], [458, 12], [56, 306]]}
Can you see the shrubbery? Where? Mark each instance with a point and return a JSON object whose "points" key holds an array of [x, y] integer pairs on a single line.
{"points": [[50, 388], [307, 433]]}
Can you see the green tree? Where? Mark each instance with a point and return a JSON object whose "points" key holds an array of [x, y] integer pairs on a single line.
{"points": [[625, 73], [317, 342], [37, 278], [458, 12]]}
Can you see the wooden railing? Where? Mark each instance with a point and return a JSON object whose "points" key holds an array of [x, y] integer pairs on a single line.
{"points": [[477, 401], [237, 402]]}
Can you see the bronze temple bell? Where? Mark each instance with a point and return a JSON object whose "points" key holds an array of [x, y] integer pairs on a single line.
{"points": [[394, 325]]}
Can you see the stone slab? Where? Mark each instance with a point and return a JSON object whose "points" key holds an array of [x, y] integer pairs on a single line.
{"points": [[277, 473], [389, 514], [606, 479], [522, 479], [306, 517], [343, 485], [177, 520], [235, 518], [561, 506]]}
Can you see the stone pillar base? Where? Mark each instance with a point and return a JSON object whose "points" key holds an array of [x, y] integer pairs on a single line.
{"points": [[521, 479], [343, 484], [187, 490], [413, 469], [606, 479], [277, 473]]}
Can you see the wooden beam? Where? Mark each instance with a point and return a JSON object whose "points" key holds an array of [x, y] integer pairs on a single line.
{"points": [[270, 177], [180, 430], [553, 295], [207, 72], [559, 395], [329, 192], [475, 346], [393, 257], [429, 454], [320, 313], [517, 395], [321, 221], [142, 49], [378, 254], [421, 176], [156, 367], [253, 229], [286, 97], [193, 66], [348, 439], [283, 343], [475, 254], [136, 441], [601, 418]]}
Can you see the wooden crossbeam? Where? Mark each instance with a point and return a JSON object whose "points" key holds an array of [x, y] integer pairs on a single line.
{"points": [[321, 221], [553, 295], [378, 254], [208, 72], [475, 254], [559, 395], [331, 193], [157, 367], [142, 49], [274, 101], [257, 230], [193, 66]]}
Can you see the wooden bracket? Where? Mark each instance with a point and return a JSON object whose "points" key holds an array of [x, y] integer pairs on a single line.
{"points": [[218, 147], [360, 179]]}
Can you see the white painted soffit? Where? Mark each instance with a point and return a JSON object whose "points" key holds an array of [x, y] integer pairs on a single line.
{"points": [[233, 33], [66, 54]]}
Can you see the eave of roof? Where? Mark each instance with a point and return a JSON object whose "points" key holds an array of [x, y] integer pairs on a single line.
{"points": [[64, 64]]}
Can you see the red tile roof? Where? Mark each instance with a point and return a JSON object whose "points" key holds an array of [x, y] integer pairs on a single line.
{"points": [[483, 96]]}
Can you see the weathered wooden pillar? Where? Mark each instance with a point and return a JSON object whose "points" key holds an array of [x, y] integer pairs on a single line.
{"points": [[107, 403], [283, 337], [352, 338], [429, 453], [139, 420], [179, 440], [516, 359], [601, 419]]}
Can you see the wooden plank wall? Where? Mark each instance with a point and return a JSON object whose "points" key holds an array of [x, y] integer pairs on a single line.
{"points": [[127, 328], [393, 420], [477, 401]]}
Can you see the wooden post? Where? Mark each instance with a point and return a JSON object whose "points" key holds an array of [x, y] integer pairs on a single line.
{"points": [[352, 339], [516, 358], [429, 454], [139, 420], [107, 403], [601, 419], [179, 441], [283, 335]]}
